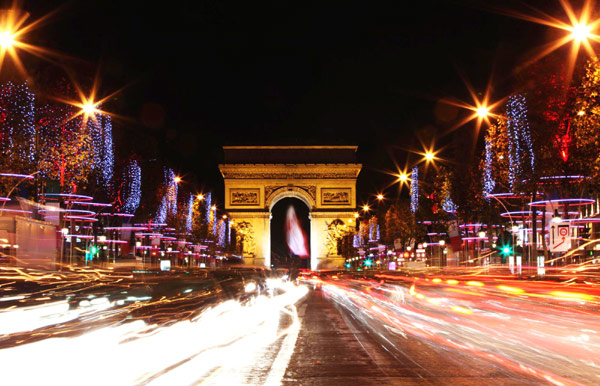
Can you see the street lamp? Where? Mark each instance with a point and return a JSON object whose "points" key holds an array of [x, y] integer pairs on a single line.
{"points": [[581, 32], [366, 208], [483, 111], [89, 109], [177, 179], [7, 40], [380, 197], [200, 197]]}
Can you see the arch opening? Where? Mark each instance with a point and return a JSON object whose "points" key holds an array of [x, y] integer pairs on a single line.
{"points": [[290, 234]]}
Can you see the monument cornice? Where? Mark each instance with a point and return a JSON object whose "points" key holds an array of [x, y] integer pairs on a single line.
{"points": [[286, 171]]}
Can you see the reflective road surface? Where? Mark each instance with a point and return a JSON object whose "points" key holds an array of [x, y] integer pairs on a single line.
{"points": [[99, 327]]}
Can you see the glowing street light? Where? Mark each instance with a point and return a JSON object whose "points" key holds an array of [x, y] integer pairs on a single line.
{"points": [[380, 197], [7, 39], [200, 197], [403, 177], [177, 179], [356, 215], [366, 208], [89, 109], [483, 112], [581, 32]]}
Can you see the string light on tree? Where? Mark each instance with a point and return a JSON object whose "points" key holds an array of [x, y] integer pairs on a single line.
{"points": [[519, 137], [107, 161], [488, 179], [17, 124], [222, 233], [190, 213], [414, 190], [132, 178], [171, 181]]}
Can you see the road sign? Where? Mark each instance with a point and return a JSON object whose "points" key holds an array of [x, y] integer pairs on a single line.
{"points": [[398, 244], [560, 237]]}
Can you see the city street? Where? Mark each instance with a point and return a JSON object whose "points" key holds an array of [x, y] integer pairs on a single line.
{"points": [[300, 193], [230, 327]]}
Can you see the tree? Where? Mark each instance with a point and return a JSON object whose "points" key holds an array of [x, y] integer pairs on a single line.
{"points": [[586, 123], [66, 151], [17, 133], [400, 223]]}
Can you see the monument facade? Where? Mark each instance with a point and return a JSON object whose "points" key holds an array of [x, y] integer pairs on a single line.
{"points": [[322, 177]]}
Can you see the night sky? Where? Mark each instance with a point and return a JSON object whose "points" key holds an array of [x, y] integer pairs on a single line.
{"points": [[202, 74]]}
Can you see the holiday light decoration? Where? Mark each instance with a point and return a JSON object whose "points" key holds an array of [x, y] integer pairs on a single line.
{"points": [[209, 213], [190, 213], [414, 190], [168, 204], [488, 179], [65, 147], [587, 120], [221, 233], [519, 138], [448, 205], [132, 177], [213, 220], [356, 241], [229, 224], [171, 194], [107, 160], [17, 125]]}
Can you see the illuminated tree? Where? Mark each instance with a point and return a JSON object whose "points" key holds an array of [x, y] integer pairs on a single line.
{"points": [[495, 163], [586, 122], [17, 133], [400, 223], [129, 190], [66, 148]]}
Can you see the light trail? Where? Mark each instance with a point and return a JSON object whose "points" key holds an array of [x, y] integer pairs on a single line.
{"points": [[214, 347], [545, 330]]}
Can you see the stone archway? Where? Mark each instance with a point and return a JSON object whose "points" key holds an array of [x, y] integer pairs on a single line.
{"points": [[290, 242], [322, 177]]}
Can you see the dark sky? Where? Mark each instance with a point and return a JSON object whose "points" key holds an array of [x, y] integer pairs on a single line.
{"points": [[202, 74]]}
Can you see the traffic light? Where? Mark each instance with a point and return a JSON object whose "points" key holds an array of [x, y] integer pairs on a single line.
{"points": [[368, 263], [585, 233], [506, 250], [94, 250]]}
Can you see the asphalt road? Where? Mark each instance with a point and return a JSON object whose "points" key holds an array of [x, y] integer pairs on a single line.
{"points": [[334, 348], [209, 330]]}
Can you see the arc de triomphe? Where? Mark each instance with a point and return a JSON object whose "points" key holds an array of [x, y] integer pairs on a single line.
{"points": [[322, 177]]}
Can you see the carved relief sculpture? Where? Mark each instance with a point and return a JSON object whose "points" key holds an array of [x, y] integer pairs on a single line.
{"points": [[335, 196], [244, 196], [245, 238]]}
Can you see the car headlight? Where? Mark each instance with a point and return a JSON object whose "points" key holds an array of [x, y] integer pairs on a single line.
{"points": [[250, 287]]}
